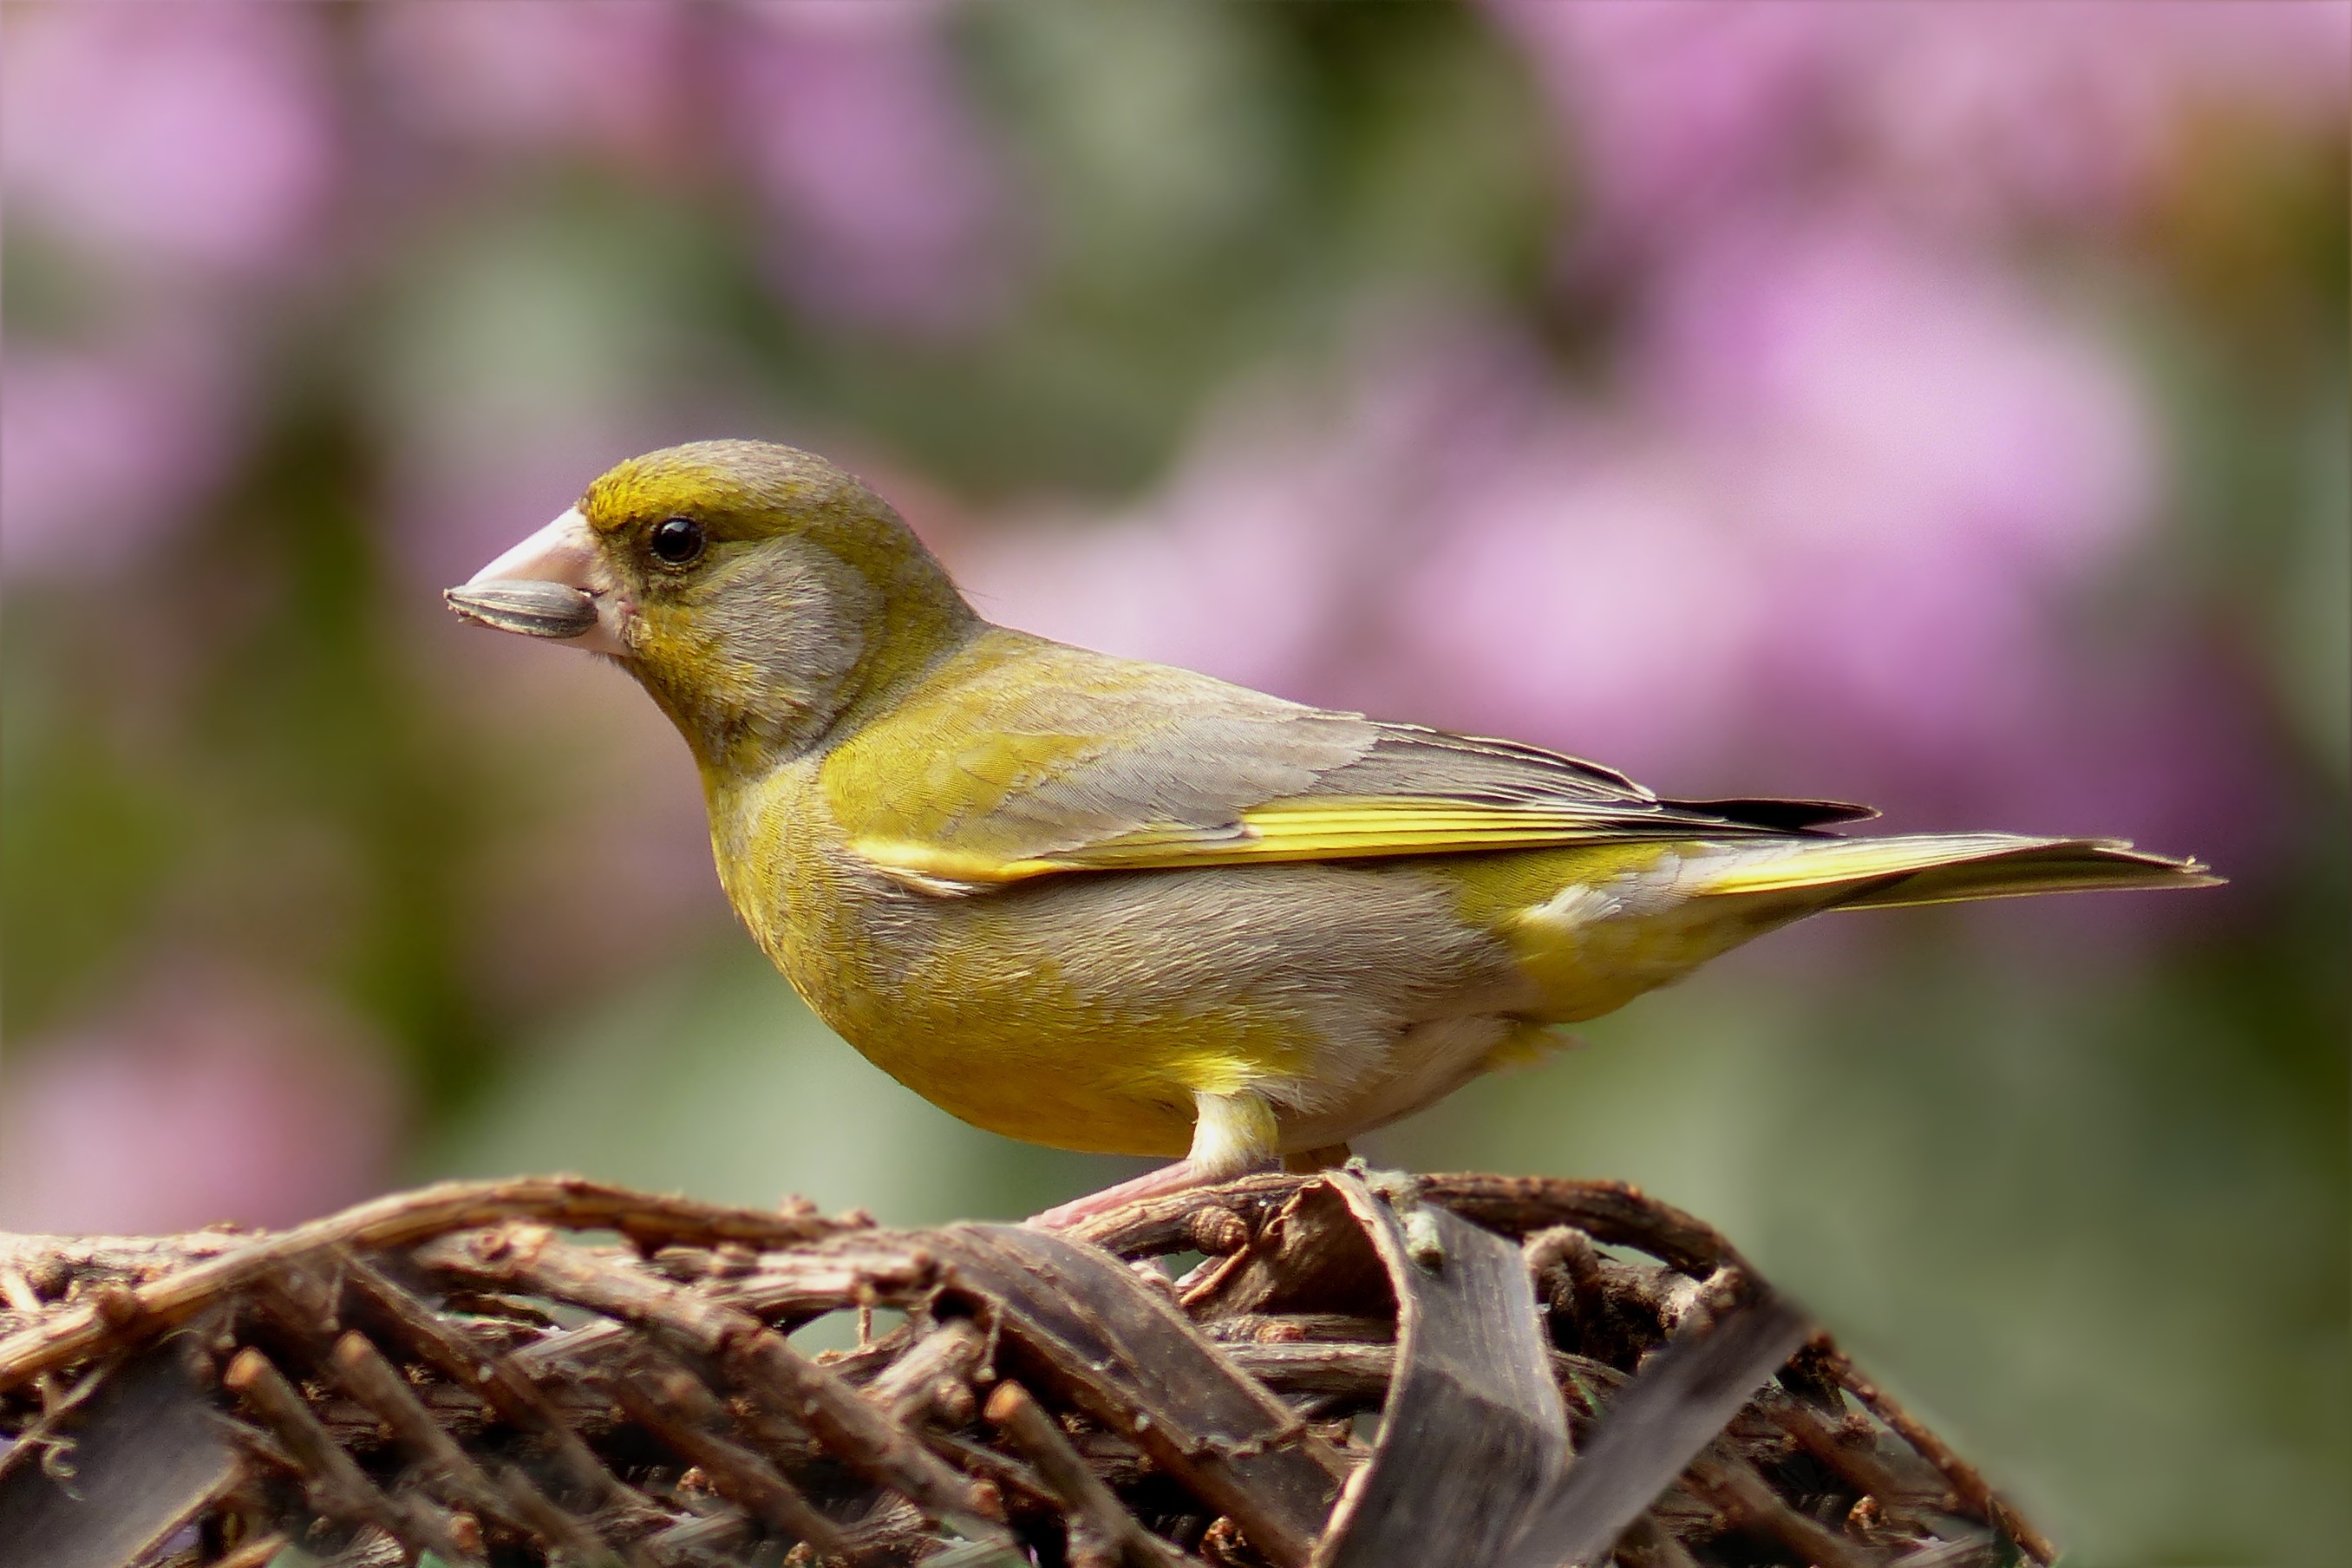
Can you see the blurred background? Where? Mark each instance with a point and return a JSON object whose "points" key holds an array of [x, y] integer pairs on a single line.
{"points": [[1943, 405]]}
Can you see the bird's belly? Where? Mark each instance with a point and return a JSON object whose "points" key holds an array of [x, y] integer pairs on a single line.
{"points": [[1048, 1074], [1085, 1012], [1429, 1061]]}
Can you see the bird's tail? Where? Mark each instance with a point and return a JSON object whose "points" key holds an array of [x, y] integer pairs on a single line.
{"points": [[1952, 868]]}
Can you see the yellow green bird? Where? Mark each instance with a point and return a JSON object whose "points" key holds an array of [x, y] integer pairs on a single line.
{"points": [[1115, 905]]}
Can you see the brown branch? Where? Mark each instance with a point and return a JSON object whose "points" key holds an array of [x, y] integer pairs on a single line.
{"points": [[1969, 1487], [361, 1368], [678, 1410], [397, 1221], [48, 1261], [338, 1488], [1089, 1503], [1002, 1471], [531, 1258], [1162, 1224], [1861, 1469], [1319, 1367], [499, 1381], [934, 1375], [1752, 1506], [877, 1269], [1614, 1211], [1122, 1352]]}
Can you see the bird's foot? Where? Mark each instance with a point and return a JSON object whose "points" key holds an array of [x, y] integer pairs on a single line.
{"points": [[1234, 1133], [1168, 1179]]}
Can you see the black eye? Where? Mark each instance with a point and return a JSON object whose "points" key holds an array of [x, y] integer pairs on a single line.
{"points": [[677, 540]]}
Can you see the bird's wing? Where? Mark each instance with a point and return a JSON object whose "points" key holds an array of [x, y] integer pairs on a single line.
{"points": [[1030, 759]]}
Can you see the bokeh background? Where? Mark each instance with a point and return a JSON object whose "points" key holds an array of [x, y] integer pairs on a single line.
{"points": [[1939, 405]]}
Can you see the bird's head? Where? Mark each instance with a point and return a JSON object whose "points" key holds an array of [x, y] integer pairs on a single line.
{"points": [[758, 593]]}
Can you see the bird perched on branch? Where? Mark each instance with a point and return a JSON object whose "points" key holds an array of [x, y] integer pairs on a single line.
{"points": [[1115, 905]]}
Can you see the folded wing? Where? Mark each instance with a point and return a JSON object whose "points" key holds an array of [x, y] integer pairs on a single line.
{"points": [[1040, 760]]}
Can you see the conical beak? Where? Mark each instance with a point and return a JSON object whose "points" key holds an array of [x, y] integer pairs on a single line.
{"points": [[549, 585]]}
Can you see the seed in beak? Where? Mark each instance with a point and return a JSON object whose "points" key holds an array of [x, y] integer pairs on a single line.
{"points": [[534, 609]]}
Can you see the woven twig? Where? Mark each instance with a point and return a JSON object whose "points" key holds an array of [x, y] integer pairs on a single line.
{"points": [[450, 1370]]}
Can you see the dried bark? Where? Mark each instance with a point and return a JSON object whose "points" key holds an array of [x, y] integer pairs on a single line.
{"points": [[443, 1370]]}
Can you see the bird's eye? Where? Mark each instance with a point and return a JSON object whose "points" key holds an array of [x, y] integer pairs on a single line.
{"points": [[677, 540]]}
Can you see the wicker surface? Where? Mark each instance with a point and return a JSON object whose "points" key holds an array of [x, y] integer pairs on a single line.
{"points": [[1354, 1374]]}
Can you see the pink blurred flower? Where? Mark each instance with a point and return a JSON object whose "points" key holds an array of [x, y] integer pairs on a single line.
{"points": [[1852, 472], [537, 75], [2077, 110], [1846, 478], [854, 126], [1910, 435], [1264, 556], [195, 133], [2169, 747], [107, 447], [1590, 594], [1822, 344], [1673, 107], [1981, 113], [460, 496], [205, 1099]]}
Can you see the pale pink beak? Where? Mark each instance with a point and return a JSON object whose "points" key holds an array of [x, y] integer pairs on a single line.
{"points": [[552, 584]]}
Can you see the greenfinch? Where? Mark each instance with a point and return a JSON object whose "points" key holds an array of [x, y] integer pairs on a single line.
{"points": [[1115, 905]]}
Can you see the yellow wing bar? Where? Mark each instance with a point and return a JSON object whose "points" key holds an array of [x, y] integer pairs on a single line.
{"points": [[1314, 828]]}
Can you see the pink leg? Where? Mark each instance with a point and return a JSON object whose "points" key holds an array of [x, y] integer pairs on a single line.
{"points": [[1173, 1178], [1234, 1133]]}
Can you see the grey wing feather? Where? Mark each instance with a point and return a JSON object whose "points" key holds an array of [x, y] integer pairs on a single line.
{"points": [[1407, 760], [1193, 752]]}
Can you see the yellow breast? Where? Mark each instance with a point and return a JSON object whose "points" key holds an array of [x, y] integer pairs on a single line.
{"points": [[991, 1008]]}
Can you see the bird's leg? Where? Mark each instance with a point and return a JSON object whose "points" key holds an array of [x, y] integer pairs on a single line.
{"points": [[1330, 1157], [1173, 1178], [1233, 1135]]}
